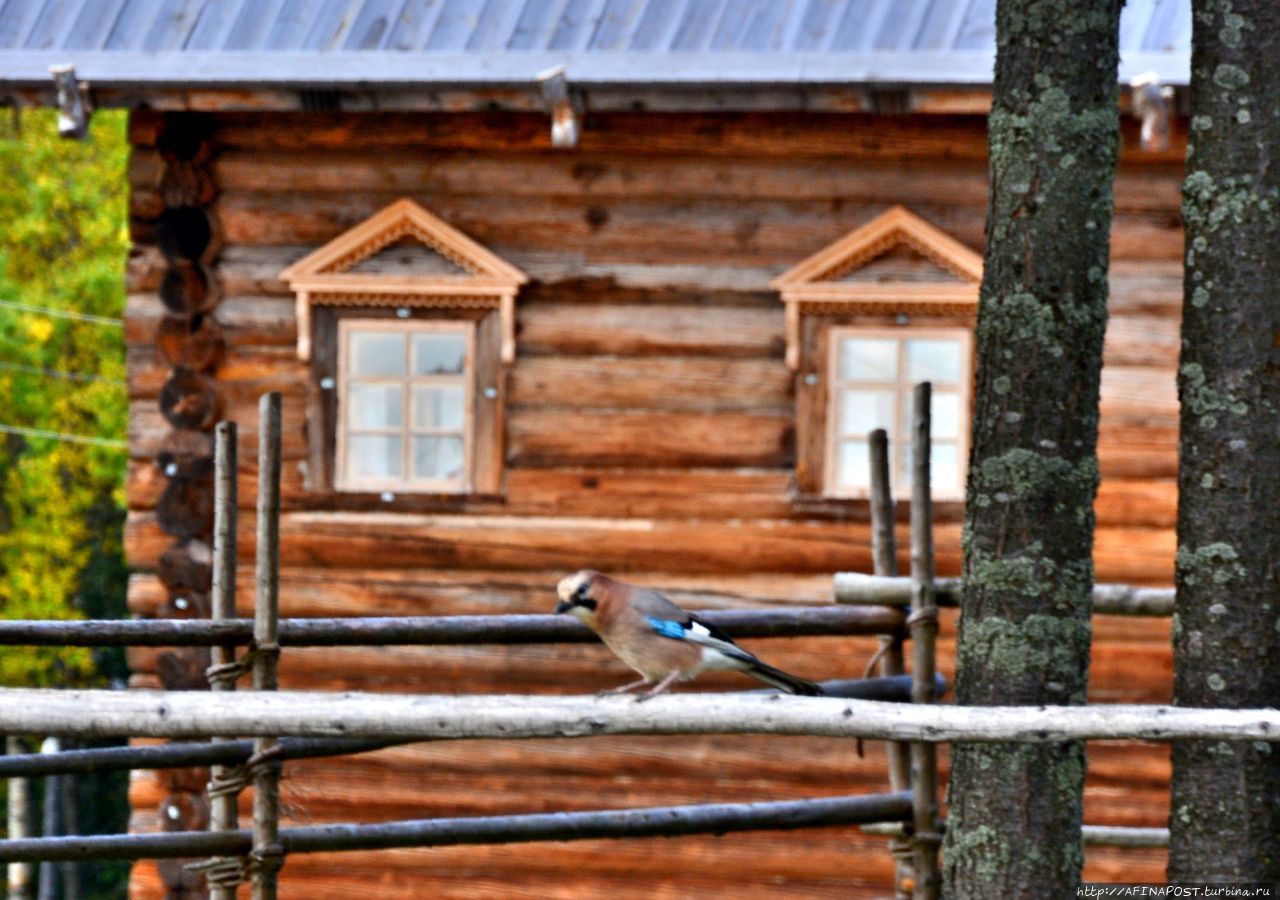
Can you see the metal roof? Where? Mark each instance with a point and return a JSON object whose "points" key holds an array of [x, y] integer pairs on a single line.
{"points": [[653, 42]]}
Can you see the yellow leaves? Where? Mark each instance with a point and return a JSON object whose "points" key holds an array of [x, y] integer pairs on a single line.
{"points": [[39, 329]]}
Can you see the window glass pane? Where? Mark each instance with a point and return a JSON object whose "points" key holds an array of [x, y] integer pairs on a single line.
{"points": [[374, 456], [374, 353], [437, 457], [868, 359], [945, 418], [438, 407], [945, 470], [853, 464], [933, 360], [374, 405], [439, 354], [862, 411]]}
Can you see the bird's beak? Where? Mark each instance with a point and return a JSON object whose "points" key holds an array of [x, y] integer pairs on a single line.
{"points": [[563, 606]]}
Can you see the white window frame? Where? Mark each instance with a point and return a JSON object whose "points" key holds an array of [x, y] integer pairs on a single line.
{"points": [[408, 484], [900, 432]]}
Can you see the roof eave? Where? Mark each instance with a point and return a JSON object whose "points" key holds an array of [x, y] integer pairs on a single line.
{"points": [[378, 71]]}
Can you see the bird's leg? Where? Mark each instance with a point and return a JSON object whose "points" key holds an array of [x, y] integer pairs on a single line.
{"points": [[659, 687], [625, 689]]}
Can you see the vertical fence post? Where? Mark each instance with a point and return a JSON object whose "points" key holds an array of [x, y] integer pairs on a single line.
{"points": [[50, 825], [20, 875], [923, 623], [224, 794], [266, 856], [884, 556]]}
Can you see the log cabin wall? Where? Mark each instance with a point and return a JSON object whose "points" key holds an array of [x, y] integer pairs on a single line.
{"points": [[650, 433]]}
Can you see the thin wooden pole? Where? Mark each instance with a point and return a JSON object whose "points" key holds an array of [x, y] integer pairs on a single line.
{"points": [[21, 875], [661, 821], [884, 555], [266, 857], [873, 590], [923, 623], [223, 794], [375, 631]]}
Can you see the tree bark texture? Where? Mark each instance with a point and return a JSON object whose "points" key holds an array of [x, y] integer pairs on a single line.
{"points": [[1015, 811], [1225, 812]]}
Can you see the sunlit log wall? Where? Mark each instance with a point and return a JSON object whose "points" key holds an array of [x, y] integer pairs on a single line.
{"points": [[650, 433]]}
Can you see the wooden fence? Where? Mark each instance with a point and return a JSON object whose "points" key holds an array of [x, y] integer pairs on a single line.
{"points": [[293, 725]]}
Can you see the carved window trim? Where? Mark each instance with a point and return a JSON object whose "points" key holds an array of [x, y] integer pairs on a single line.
{"points": [[818, 301], [327, 292]]}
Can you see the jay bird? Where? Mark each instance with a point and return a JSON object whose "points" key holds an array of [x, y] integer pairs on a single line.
{"points": [[659, 639]]}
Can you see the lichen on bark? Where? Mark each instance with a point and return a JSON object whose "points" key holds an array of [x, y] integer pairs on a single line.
{"points": [[1225, 804], [1025, 625]]}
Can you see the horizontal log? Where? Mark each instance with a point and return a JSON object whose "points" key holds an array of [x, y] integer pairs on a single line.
{"points": [[95, 713], [788, 135], [342, 540], [312, 591], [248, 368], [654, 230], [663, 383], [480, 778], [666, 329], [389, 540], [426, 630], [667, 821], [652, 493], [1143, 287], [149, 433], [1142, 393], [1110, 599], [569, 437], [1135, 339], [1147, 502], [590, 176]]}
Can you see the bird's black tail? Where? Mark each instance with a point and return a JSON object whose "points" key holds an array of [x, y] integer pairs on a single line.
{"points": [[784, 680]]}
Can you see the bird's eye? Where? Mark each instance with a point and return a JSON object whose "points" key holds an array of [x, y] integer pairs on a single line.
{"points": [[581, 593]]}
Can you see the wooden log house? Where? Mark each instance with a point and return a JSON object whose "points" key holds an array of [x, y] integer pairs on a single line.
{"points": [[636, 316]]}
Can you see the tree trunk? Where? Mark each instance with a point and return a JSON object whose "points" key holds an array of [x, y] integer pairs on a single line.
{"points": [[1225, 814], [1014, 821]]}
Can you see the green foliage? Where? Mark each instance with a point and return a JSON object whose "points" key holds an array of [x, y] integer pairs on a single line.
{"points": [[63, 246]]}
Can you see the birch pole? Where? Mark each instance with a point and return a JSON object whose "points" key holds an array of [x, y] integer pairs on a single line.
{"points": [[884, 556], [266, 857], [223, 796], [923, 623]]}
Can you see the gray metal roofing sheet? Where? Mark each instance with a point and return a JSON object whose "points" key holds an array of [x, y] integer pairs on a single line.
{"points": [[489, 41]]}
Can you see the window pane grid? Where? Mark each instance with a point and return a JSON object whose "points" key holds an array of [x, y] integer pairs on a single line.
{"points": [[895, 353], [408, 439]]}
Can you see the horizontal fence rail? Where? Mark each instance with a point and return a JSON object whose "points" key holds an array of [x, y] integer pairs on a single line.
{"points": [[1125, 836], [1111, 599], [662, 821], [800, 621], [192, 714], [896, 689]]}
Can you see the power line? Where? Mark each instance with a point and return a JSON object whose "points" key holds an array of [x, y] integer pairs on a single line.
{"points": [[62, 313], [60, 373], [63, 436]]}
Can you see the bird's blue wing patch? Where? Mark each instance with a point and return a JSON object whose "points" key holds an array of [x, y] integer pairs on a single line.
{"points": [[666, 627]]}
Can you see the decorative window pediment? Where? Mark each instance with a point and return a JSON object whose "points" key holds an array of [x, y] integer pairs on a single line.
{"points": [[428, 264], [896, 263]]}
